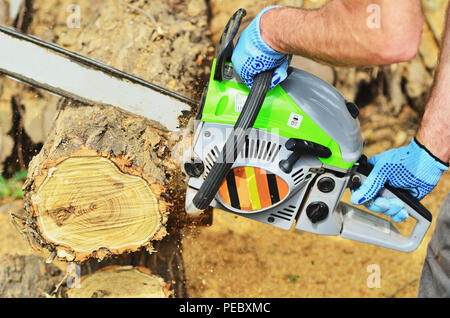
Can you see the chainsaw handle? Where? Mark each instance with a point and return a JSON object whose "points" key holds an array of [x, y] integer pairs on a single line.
{"points": [[369, 228], [234, 142], [226, 46], [364, 168]]}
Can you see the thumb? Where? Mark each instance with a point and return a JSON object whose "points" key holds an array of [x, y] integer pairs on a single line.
{"points": [[371, 185], [280, 73]]}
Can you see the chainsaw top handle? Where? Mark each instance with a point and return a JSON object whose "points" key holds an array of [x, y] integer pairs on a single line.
{"points": [[226, 46], [234, 142]]}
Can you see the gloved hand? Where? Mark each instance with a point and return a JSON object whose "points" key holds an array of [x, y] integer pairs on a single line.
{"points": [[252, 55], [412, 168]]}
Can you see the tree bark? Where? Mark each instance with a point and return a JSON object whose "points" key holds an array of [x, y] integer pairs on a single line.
{"points": [[27, 277]]}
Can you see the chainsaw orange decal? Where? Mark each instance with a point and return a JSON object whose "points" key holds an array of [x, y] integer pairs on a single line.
{"points": [[250, 188], [242, 188]]}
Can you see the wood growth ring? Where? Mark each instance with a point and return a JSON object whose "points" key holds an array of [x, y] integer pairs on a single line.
{"points": [[87, 203]]}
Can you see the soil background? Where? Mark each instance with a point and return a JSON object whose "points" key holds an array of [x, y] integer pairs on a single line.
{"points": [[237, 257]]}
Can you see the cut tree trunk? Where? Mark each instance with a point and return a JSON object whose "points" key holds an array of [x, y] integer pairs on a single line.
{"points": [[105, 190], [98, 186]]}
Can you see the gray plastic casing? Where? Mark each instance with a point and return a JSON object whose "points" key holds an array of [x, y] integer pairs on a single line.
{"points": [[327, 108]]}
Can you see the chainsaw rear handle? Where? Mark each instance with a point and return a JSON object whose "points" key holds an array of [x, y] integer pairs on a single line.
{"points": [[234, 142], [364, 168], [369, 228]]}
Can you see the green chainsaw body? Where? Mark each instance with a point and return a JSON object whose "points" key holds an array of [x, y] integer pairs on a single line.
{"points": [[224, 100]]}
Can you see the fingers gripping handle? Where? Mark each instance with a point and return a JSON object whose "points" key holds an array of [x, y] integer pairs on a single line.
{"points": [[234, 142], [366, 227]]}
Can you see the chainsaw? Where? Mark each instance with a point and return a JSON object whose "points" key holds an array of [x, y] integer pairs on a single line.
{"points": [[283, 156]]}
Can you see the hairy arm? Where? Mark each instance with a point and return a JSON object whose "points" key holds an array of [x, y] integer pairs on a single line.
{"points": [[434, 130], [347, 32]]}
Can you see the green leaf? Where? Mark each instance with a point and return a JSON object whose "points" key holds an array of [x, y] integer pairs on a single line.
{"points": [[292, 278], [19, 176], [3, 180], [18, 193], [5, 190]]}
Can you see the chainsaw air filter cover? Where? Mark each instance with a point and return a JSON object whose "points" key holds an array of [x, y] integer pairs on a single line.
{"points": [[252, 189]]}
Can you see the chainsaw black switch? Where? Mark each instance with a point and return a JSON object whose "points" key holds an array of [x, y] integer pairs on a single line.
{"points": [[317, 211], [194, 168], [352, 109], [301, 147]]}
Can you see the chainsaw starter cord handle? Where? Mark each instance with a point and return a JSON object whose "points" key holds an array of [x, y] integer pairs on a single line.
{"points": [[235, 141]]}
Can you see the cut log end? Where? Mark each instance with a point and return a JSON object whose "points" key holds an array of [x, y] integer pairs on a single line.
{"points": [[121, 282], [86, 206]]}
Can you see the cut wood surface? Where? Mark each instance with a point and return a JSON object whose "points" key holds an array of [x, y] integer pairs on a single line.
{"points": [[120, 282]]}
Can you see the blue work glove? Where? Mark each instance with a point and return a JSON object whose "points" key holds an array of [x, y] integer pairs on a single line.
{"points": [[252, 55], [412, 168]]}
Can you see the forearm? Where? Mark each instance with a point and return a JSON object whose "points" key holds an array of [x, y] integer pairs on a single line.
{"points": [[341, 33], [434, 130]]}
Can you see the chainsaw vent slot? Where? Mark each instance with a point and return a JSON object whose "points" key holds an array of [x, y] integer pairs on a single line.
{"points": [[210, 159], [260, 149], [298, 176], [286, 213]]}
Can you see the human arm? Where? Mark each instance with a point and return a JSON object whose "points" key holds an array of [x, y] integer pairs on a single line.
{"points": [[434, 130], [419, 166], [343, 32], [339, 33]]}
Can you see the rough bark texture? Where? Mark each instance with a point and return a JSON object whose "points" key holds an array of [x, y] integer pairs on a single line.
{"points": [[27, 277], [6, 142]]}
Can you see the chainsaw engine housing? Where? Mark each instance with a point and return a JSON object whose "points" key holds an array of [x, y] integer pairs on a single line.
{"points": [[259, 187]]}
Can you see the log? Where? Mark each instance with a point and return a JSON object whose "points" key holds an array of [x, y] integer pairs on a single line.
{"points": [[6, 142], [97, 186]]}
